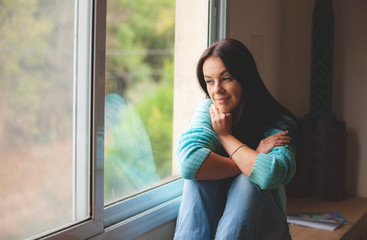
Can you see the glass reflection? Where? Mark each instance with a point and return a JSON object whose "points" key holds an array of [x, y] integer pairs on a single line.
{"points": [[139, 96]]}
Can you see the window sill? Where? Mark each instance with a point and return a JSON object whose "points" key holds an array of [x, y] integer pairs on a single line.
{"points": [[143, 222]]}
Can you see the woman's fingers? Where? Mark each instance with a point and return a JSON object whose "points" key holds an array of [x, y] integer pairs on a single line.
{"points": [[276, 140], [211, 110], [284, 133], [215, 110], [279, 136], [221, 123]]}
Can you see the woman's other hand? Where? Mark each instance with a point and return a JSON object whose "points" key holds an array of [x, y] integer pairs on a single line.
{"points": [[221, 122], [276, 140]]}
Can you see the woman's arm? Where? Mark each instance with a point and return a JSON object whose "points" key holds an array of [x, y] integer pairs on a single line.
{"points": [[243, 156], [276, 167], [216, 167], [198, 149], [246, 157], [270, 165], [197, 142]]}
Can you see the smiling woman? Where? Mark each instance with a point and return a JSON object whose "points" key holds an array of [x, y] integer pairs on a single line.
{"points": [[231, 189]]}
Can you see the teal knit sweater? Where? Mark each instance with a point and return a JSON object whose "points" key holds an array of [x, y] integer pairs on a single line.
{"points": [[271, 170]]}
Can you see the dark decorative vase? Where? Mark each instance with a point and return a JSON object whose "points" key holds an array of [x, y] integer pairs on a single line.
{"points": [[321, 161]]}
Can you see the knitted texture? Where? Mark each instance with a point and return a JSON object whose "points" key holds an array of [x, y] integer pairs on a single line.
{"points": [[196, 142], [271, 170]]}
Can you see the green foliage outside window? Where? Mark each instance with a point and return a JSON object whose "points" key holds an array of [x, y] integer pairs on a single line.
{"points": [[29, 74], [35, 70], [139, 63]]}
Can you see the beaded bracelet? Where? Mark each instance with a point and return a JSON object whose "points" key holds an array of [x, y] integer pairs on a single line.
{"points": [[237, 149]]}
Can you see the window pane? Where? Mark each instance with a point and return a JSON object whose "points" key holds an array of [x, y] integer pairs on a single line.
{"points": [[38, 120], [139, 96]]}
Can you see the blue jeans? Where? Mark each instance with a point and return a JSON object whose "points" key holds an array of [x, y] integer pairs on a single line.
{"points": [[229, 209]]}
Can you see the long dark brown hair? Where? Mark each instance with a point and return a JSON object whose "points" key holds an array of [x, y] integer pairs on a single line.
{"points": [[259, 111]]}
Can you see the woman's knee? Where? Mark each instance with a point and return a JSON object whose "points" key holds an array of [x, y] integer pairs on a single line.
{"points": [[243, 186], [205, 189], [201, 207]]}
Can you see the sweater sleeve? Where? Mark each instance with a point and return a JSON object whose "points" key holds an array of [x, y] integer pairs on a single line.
{"points": [[274, 168], [196, 142]]}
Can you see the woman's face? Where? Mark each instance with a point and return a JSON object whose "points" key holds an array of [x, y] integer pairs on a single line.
{"points": [[223, 89]]}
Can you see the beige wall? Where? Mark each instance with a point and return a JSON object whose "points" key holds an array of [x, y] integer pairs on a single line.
{"points": [[286, 31], [350, 98], [190, 41], [278, 32]]}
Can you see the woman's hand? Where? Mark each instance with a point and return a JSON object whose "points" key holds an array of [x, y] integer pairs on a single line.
{"points": [[221, 122], [276, 140]]}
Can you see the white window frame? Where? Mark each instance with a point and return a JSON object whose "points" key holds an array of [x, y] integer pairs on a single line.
{"points": [[81, 105], [217, 20], [94, 181]]}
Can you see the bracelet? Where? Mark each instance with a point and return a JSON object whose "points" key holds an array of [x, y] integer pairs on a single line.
{"points": [[237, 149]]}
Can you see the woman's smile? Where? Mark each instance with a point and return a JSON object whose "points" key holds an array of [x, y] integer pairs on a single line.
{"points": [[222, 100]]}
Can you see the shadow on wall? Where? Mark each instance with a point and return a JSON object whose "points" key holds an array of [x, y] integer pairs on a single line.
{"points": [[352, 162]]}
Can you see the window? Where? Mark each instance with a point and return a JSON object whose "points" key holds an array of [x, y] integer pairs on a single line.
{"points": [[139, 96], [93, 97], [45, 116]]}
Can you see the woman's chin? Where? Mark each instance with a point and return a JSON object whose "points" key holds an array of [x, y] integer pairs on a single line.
{"points": [[224, 110]]}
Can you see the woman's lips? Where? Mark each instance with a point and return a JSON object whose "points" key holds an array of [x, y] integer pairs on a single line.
{"points": [[222, 100]]}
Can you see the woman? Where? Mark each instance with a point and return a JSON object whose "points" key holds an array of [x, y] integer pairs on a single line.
{"points": [[237, 153]]}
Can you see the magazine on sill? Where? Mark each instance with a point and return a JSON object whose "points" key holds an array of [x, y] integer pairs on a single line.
{"points": [[321, 220]]}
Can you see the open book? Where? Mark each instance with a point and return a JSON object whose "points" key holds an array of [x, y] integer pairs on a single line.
{"points": [[321, 220]]}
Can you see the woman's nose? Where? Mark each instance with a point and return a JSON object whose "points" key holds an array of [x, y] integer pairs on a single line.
{"points": [[218, 88]]}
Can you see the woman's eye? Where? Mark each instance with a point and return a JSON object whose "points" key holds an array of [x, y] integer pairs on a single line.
{"points": [[227, 78], [209, 81]]}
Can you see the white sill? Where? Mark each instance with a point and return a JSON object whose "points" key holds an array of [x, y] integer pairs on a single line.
{"points": [[142, 223]]}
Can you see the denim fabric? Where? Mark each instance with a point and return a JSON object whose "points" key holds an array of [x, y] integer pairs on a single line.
{"points": [[229, 209]]}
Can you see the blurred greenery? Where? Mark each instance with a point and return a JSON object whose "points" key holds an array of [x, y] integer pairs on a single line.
{"points": [[156, 109], [36, 74], [135, 28], [36, 115], [139, 63], [37, 95], [35, 71]]}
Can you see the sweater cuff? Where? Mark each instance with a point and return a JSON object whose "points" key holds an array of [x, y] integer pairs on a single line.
{"points": [[263, 166], [188, 169]]}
